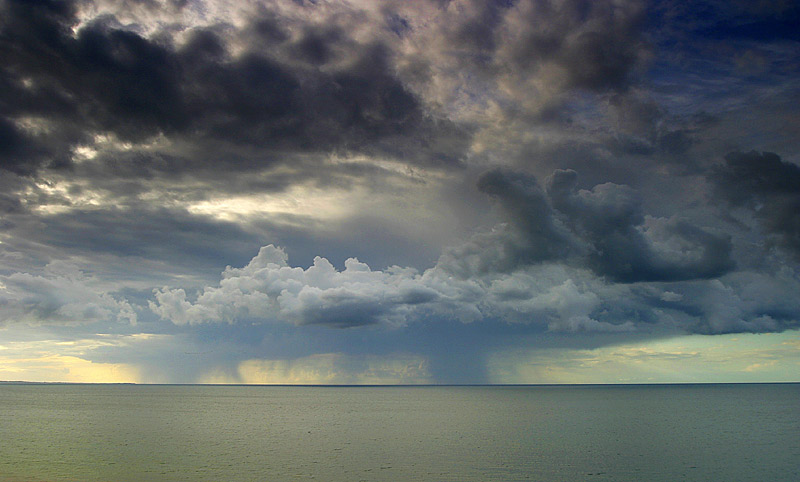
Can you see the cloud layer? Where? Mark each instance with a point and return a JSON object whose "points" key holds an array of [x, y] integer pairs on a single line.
{"points": [[570, 260], [450, 179]]}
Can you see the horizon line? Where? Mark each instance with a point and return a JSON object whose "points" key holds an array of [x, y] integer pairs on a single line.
{"points": [[399, 385]]}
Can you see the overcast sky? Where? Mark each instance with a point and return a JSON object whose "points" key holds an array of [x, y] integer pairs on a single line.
{"points": [[428, 191]]}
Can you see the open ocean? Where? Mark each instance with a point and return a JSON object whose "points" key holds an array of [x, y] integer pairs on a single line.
{"points": [[151, 433]]}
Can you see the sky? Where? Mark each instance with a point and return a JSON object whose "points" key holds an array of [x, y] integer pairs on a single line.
{"points": [[399, 192]]}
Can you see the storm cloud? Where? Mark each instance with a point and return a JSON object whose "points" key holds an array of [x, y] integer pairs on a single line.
{"points": [[280, 94], [604, 228], [416, 187], [565, 260], [769, 187]]}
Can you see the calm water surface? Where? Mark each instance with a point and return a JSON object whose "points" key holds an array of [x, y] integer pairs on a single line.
{"points": [[138, 433]]}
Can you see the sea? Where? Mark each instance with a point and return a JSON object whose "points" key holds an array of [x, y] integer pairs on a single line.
{"points": [[153, 433]]}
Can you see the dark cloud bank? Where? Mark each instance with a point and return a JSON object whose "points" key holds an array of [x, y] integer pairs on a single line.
{"points": [[282, 93]]}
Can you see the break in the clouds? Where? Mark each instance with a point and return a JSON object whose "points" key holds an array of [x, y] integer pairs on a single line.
{"points": [[393, 190]]}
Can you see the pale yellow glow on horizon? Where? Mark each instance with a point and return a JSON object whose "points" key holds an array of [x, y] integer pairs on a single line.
{"points": [[768, 357], [47, 360], [68, 369]]}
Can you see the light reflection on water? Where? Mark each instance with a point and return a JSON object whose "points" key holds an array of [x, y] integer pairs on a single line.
{"points": [[137, 433]]}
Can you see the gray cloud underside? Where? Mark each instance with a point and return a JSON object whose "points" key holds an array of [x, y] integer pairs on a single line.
{"points": [[61, 295]]}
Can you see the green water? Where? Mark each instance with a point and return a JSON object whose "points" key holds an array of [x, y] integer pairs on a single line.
{"points": [[138, 433]]}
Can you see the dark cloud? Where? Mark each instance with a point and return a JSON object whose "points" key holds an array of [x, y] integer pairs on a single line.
{"points": [[164, 239], [597, 44], [15, 149], [108, 79], [268, 29], [747, 177], [767, 185], [578, 44], [476, 29], [128, 85], [605, 226], [610, 219], [644, 128], [315, 44], [397, 24], [525, 203]]}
